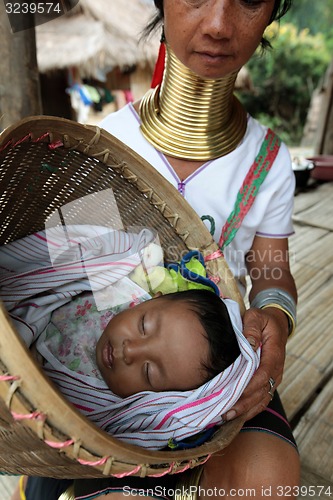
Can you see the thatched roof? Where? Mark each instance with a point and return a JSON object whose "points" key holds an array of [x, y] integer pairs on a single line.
{"points": [[70, 41], [97, 34]]}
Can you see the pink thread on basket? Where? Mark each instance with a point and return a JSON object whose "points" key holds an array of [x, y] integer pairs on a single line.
{"points": [[55, 144], [13, 144], [41, 138], [124, 474], [6, 378], [64, 444], [165, 472], [35, 415], [188, 465], [214, 255], [6, 145], [101, 461], [23, 139]]}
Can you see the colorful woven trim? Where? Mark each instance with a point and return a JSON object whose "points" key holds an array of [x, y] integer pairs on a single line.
{"points": [[250, 187]]}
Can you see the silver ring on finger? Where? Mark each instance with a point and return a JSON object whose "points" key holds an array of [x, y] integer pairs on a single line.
{"points": [[271, 382]]}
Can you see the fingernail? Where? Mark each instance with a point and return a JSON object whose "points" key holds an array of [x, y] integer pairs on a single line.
{"points": [[252, 342], [230, 415]]}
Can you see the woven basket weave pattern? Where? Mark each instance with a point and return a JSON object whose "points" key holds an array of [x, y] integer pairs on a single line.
{"points": [[39, 186]]}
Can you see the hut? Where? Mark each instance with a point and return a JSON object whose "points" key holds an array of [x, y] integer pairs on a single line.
{"points": [[96, 46]]}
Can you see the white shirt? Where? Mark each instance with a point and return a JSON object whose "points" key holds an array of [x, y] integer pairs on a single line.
{"points": [[212, 189]]}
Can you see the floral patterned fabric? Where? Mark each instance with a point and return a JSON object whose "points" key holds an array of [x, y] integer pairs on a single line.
{"points": [[75, 329]]}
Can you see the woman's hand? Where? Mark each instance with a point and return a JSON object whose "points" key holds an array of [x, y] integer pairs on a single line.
{"points": [[268, 262], [268, 328]]}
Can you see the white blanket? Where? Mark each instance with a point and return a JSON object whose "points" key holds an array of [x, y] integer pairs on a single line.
{"points": [[43, 271]]}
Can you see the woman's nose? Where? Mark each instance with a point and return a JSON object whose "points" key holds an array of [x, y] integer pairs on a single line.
{"points": [[218, 20]]}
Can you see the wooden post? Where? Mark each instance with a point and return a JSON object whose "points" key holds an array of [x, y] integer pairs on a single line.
{"points": [[19, 77], [324, 140]]}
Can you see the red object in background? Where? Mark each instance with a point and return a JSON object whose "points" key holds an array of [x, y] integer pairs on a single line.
{"points": [[159, 67], [323, 167]]}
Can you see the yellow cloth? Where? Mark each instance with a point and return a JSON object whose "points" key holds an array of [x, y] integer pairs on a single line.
{"points": [[68, 494], [22, 488]]}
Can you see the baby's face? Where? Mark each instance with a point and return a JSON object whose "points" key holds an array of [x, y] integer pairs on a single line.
{"points": [[159, 345]]}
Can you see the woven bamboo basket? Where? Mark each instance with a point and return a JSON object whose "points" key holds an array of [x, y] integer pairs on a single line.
{"points": [[45, 163]]}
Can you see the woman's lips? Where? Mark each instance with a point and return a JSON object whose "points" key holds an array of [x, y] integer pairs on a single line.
{"points": [[213, 56], [107, 356]]}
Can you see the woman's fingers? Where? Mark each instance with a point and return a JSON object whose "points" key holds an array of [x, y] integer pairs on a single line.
{"points": [[264, 330]]}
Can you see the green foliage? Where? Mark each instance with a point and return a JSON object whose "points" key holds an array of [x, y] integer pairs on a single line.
{"points": [[284, 79], [317, 16]]}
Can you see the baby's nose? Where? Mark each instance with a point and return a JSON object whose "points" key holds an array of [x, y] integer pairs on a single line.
{"points": [[134, 350]]}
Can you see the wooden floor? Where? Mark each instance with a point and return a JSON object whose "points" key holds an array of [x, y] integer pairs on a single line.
{"points": [[307, 388]]}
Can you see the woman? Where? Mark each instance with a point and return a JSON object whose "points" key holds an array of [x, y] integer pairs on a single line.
{"points": [[199, 137]]}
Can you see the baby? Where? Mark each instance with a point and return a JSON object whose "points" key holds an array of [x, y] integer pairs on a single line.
{"points": [[174, 342], [164, 369]]}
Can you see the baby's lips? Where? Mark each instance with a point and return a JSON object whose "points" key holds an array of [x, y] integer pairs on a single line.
{"points": [[107, 356]]}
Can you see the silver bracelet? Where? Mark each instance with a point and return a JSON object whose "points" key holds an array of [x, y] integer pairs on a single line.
{"points": [[279, 298]]}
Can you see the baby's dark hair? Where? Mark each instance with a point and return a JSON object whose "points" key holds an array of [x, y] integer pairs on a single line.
{"points": [[214, 317]]}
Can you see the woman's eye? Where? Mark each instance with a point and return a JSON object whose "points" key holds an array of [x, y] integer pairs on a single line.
{"points": [[252, 3], [143, 325], [195, 3]]}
